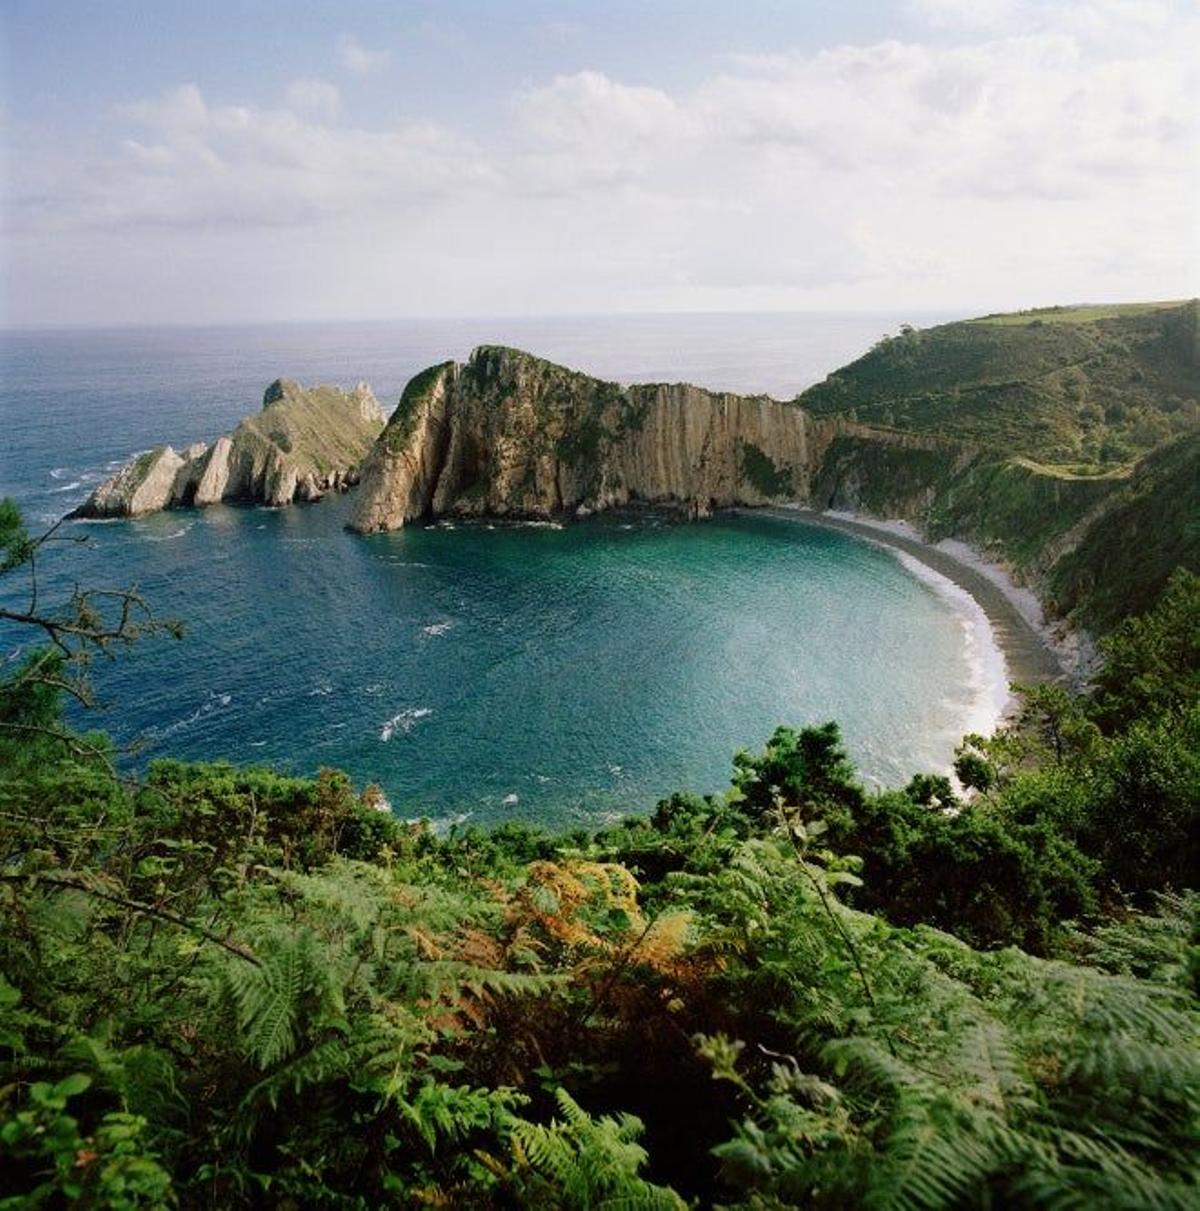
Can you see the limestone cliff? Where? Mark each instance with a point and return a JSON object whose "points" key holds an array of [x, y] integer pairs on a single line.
{"points": [[304, 442], [509, 433]]}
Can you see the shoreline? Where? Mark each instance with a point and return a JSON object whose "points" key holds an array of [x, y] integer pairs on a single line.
{"points": [[1032, 650]]}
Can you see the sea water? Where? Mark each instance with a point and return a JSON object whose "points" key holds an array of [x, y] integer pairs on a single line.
{"points": [[482, 671]]}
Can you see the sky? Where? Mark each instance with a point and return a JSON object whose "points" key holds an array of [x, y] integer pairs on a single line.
{"points": [[217, 162]]}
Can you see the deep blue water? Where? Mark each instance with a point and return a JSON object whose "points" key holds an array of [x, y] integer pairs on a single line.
{"points": [[586, 670]]}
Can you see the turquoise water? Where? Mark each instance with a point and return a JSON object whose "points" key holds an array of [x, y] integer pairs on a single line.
{"points": [[481, 671]]}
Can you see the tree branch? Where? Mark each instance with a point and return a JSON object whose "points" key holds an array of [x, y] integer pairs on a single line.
{"points": [[137, 906]]}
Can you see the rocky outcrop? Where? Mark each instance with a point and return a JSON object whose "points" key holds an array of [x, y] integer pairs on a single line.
{"points": [[305, 442], [509, 433]]}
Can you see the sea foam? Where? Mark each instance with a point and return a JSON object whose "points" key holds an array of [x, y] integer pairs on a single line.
{"points": [[403, 722]]}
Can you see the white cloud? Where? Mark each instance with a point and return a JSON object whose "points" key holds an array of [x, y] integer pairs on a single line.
{"points": [[193, 164], [359, 59], [314, 98]]}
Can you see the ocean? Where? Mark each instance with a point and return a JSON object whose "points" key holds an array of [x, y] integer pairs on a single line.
{"points": [[484, 671]]}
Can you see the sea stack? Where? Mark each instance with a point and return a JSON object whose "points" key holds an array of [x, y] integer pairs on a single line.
{"points": [[305, 441]]}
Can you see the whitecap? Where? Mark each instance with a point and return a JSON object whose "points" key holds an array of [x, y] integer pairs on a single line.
{"points": [[57, 472], [322, 691], [215, 702], [441, 824], [167, 537], [988, 693], [71, 487], [510, 800], [403, 722], [437, 628]]}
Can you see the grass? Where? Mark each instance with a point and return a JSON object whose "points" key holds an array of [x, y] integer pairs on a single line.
{"points": [[1052, 386], [1086, 313]]}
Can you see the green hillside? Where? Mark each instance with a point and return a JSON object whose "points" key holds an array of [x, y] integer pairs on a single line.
{"points": [[1090, 386], [1150, 526]]}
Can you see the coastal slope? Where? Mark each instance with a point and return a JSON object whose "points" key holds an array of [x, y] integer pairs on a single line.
{"points": [[303, 443]]}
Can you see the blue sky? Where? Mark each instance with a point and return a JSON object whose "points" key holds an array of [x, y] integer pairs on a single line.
{"points": [[209, 162]]}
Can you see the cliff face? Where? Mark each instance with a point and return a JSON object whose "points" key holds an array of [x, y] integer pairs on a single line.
{"points": [[509, 433], [304, 442]]}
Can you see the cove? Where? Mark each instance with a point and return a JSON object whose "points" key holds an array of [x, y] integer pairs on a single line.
{"points": [[560, 674]]}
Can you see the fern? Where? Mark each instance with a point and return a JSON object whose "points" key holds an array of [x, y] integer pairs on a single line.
{"points": [[589, 1163]]}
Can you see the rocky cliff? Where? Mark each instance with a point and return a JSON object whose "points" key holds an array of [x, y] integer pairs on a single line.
{"points": [[510, 433], [304, 442]]}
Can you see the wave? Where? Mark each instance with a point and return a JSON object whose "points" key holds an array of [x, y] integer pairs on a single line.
{"points": [[58, 472], [168, 537], [71, 487], [437, 628], [988, 681], [404, 722], [441, 824], [215, 703]]}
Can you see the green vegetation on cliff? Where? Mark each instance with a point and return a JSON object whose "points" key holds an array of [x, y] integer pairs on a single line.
{"points": [[1062, 442], [225, 987], [1066, 387], [1150, 527]]}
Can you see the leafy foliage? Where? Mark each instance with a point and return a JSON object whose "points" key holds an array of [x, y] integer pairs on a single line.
{"points": [[225, 987]]}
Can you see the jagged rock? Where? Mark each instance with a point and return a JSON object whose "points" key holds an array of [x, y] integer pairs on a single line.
{"points": [[143, 486], [509, 433], [304, 442]]}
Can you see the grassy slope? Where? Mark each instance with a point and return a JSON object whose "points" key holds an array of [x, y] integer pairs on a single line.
{"points": [[321, 428], [1056, 387], [1150, 527], [1038, 399]]}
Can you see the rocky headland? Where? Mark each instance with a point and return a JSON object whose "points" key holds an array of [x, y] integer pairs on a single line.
{"points": [[511, 434], [305, 441]]}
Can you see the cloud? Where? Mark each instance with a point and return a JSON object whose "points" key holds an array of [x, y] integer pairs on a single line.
{"points": [[966, 14], [189, 163], [360, 60], [314, 98], [1017, 160]]}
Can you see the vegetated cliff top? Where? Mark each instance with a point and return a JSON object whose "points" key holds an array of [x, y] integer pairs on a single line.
{"points": [[319, 427], [1092, 386], [1121, 563]]}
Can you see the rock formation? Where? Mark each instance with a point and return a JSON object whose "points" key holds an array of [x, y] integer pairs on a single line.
{"points": [[510, 433], [304, 443]]}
